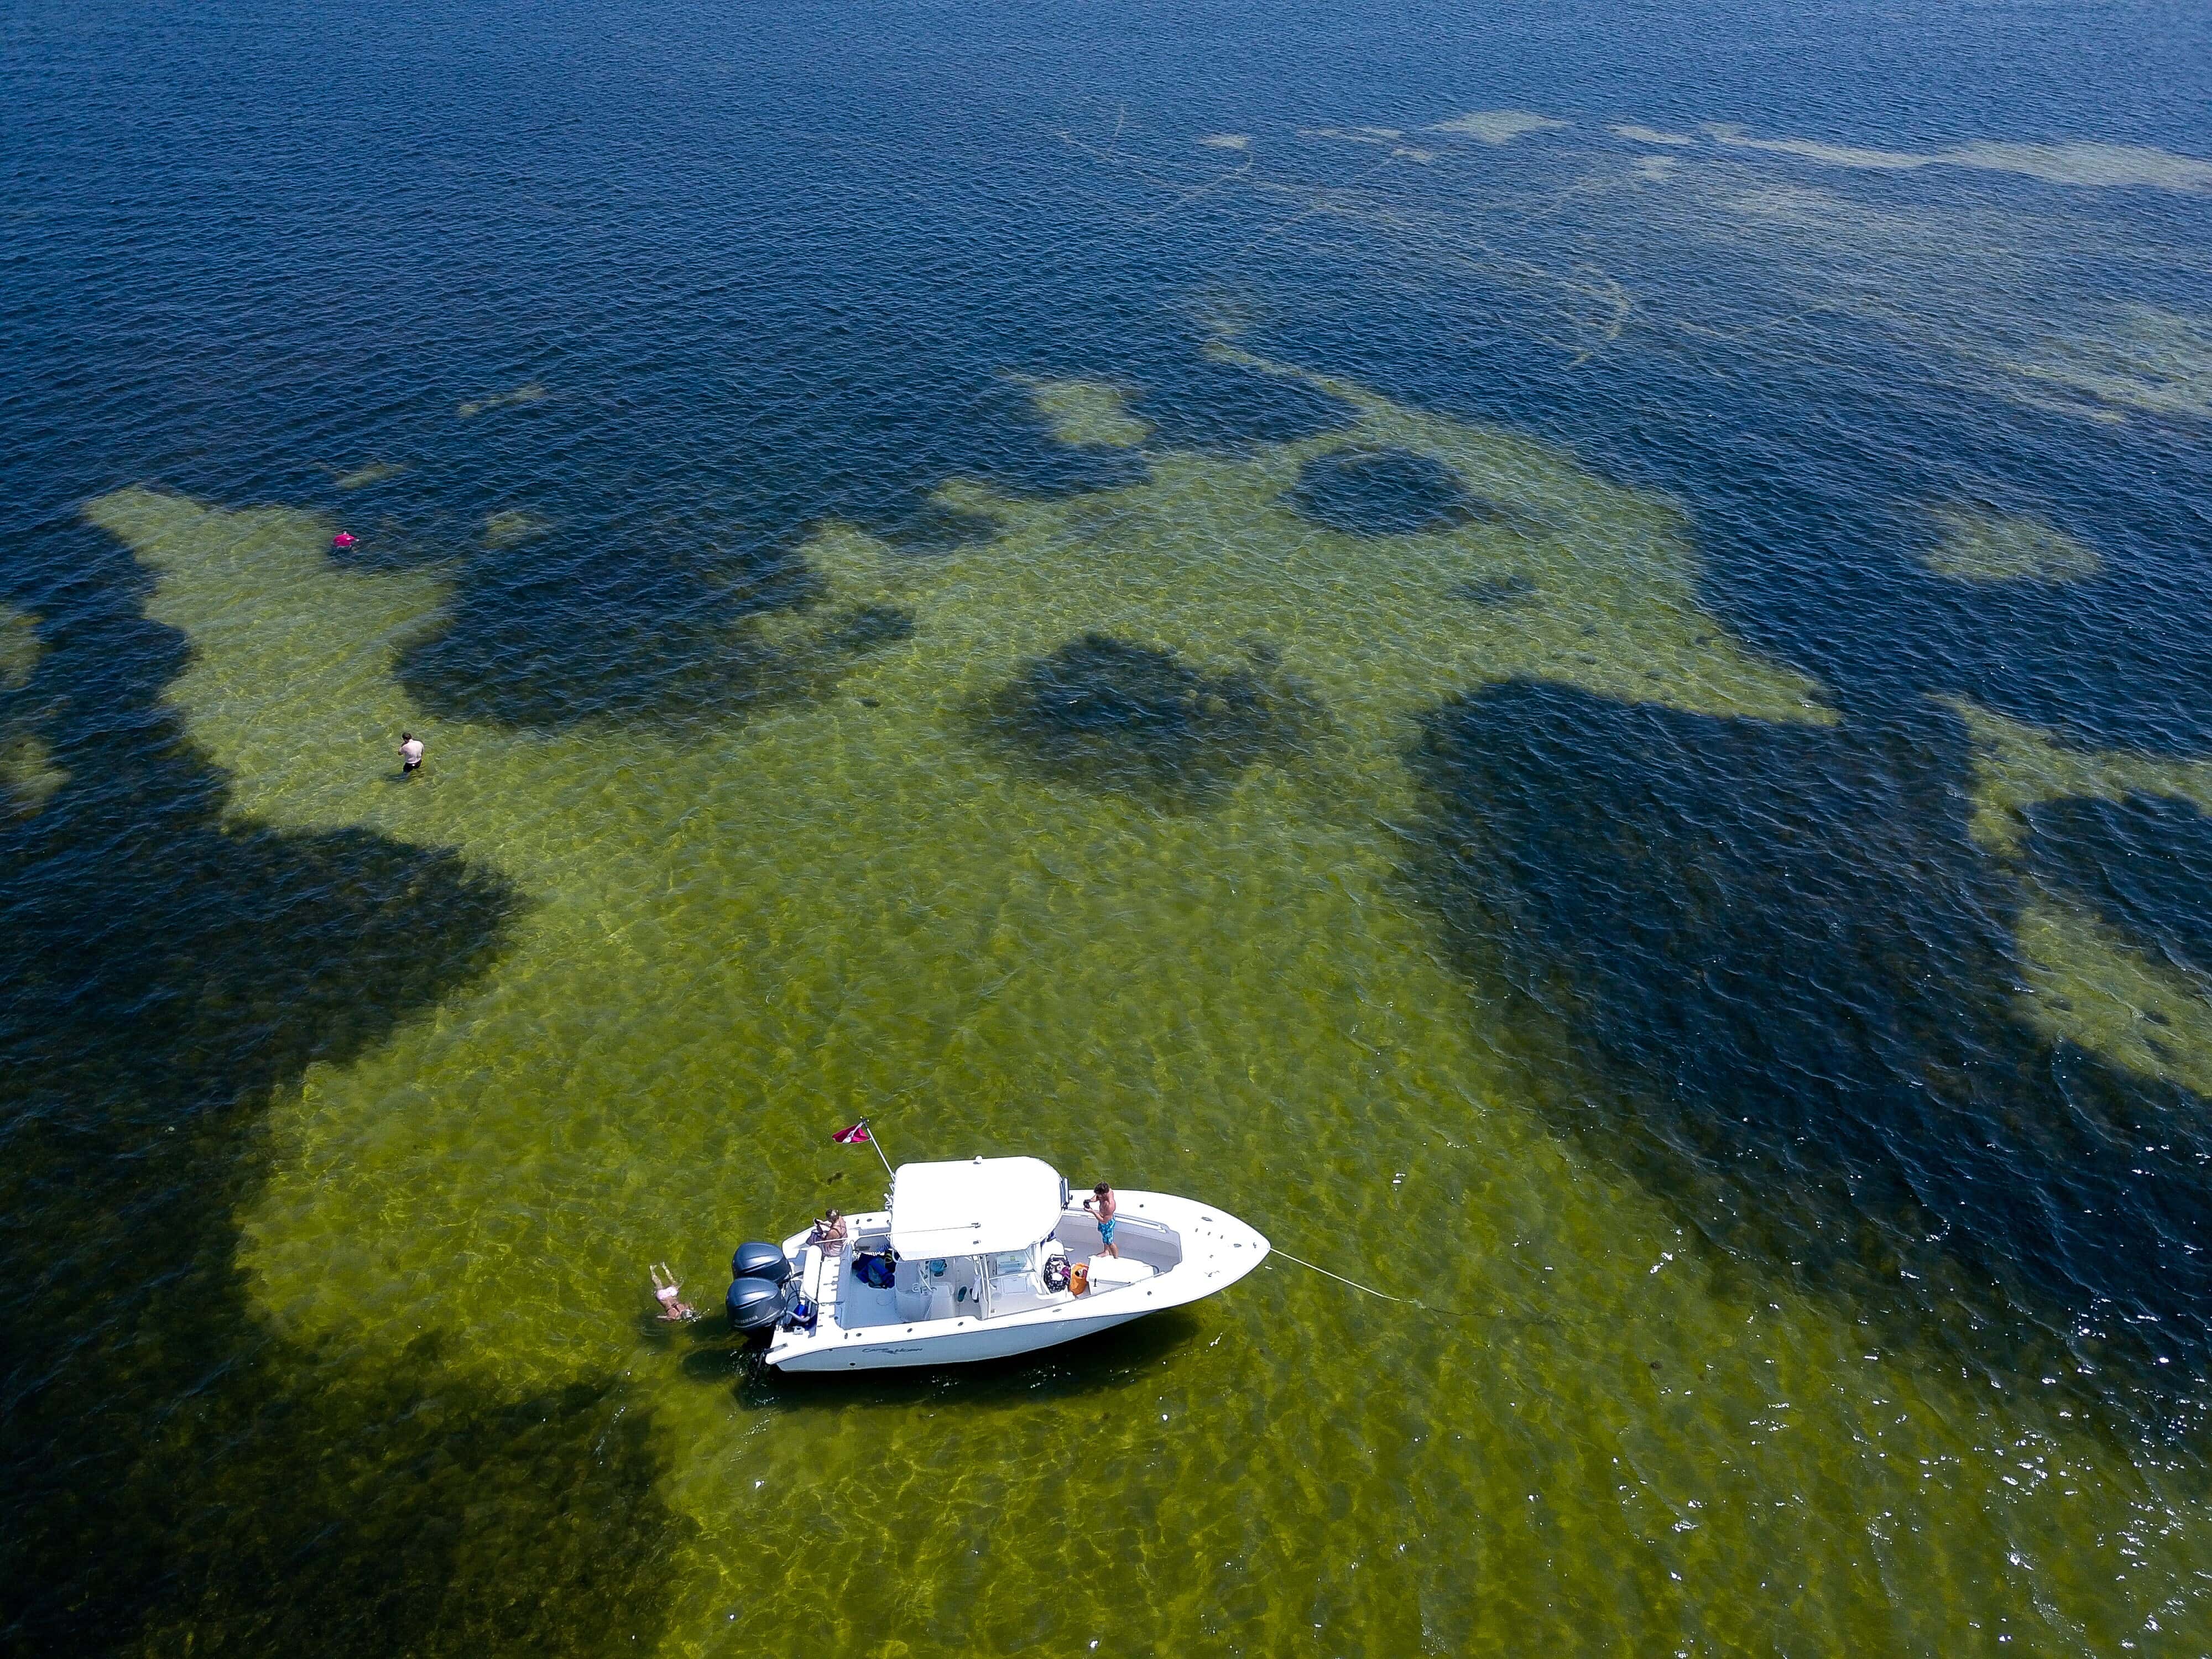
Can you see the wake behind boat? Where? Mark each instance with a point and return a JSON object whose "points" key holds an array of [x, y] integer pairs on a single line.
{"points": [[977, 1260]]}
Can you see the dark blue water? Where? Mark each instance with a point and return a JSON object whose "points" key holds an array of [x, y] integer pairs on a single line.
{"points": [[776, 266]]}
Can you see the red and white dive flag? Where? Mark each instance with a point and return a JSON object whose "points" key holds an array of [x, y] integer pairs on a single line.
{"points": [[854, 1136]]}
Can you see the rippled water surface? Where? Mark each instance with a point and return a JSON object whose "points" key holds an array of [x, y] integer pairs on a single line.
{"points": [[1562, 653]]}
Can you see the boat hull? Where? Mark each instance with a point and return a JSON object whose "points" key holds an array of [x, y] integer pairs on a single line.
{"points": [[949, 1348]]}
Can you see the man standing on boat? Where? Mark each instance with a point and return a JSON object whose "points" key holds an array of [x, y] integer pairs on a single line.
{"points": [[1102, 1203]]}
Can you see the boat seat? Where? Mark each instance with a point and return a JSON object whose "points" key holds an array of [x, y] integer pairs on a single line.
{"points": [[1109, 1273], [912, 1291], [1018, 1280]]}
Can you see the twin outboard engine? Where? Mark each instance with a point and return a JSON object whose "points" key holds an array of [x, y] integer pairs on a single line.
{"points": [[757, 1260], [761, 1289]]}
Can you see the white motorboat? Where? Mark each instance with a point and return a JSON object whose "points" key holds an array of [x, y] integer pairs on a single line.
{"points": [[977, 1260]]}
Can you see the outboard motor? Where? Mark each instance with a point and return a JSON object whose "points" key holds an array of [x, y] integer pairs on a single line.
{"points": [[757, 1305], [757, 1260]]}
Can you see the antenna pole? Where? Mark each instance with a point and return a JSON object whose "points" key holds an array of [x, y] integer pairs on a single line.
{"points": [[878, 1145]]}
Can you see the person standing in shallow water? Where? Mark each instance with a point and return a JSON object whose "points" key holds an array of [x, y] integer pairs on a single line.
{"points": [[411, 752], [1102, 1203]]}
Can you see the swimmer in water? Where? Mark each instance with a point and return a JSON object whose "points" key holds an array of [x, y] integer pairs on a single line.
{"points": [[411, 752], [666, 1291]]}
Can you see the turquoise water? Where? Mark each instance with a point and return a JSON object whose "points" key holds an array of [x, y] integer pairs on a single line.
{"points": [[1560, 657]]}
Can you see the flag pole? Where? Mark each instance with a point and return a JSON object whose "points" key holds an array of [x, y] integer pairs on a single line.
{"points": [[878, 1145]]}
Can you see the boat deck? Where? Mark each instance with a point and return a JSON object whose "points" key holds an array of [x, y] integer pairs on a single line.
{"points": [[826, 1278]]}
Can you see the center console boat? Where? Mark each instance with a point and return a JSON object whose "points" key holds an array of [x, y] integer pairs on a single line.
{"points": [[977, 1260]]}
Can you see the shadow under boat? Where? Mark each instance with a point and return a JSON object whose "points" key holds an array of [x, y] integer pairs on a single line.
{"points": [[1102, 1361]]}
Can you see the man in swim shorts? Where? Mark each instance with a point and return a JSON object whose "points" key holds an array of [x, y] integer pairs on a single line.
{"points": [[1102, 1203], [411, 751]]}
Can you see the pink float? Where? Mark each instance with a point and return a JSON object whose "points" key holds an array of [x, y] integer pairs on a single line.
{"points": [[341, 541]]}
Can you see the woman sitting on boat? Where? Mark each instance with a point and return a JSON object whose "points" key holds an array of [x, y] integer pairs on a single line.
{"points": [[828, 1231]]}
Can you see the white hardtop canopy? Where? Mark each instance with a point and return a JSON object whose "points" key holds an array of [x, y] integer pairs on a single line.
{"points": [[974, 1208]]}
